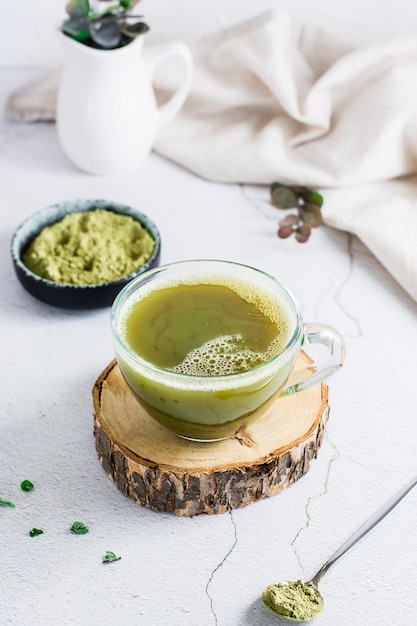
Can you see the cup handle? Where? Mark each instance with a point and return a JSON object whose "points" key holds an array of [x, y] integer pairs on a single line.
{"points": [[158, 53], [317, 371]]}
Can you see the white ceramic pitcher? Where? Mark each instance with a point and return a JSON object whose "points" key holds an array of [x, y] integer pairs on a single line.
{"points": [[107, 115]]}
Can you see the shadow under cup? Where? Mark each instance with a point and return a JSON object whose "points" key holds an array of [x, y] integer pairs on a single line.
{"points": [[205, 407]]}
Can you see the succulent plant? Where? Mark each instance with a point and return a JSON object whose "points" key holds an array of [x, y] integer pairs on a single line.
{"points": [[308, 204], [107, 24]]}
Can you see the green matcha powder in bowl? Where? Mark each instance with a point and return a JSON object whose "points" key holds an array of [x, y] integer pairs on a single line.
{"points": [[79, 254]]}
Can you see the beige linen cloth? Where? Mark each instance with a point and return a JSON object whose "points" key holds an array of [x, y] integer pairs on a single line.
{"points": [[275, 100]]}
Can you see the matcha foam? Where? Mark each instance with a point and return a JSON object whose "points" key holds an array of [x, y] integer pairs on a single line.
{"points": [[222, 356]]}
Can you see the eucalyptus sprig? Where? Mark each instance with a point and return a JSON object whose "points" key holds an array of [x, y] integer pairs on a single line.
{"points": [[308, 204], [108, 27]]}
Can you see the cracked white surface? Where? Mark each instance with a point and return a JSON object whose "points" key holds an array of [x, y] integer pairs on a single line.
{"points": [[206, 571]]}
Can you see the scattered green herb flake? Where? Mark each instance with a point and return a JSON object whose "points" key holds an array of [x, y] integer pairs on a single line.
{"points": [[26, 485], [110, 556], [79, 528], [6, 503], [35, 532]]}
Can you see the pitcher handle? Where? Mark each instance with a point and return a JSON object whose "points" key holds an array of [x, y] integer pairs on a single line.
{"points": [[158, 53], [318, 370]]}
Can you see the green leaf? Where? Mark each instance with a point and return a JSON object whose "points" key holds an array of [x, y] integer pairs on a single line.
{"points": [[79, 528], [77, 28], [26, 485], [78, 8], [6, 503], [283, 197], [295, 188], [81, 36], [35, 532], [105, 33], [110, 556], [133, 30], [284, 232], [292, 220], [302, 233], [132, 4], [311, 214], [308, 195]]}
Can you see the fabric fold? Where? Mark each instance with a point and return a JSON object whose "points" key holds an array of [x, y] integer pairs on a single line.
{"points": [[328, 125]]}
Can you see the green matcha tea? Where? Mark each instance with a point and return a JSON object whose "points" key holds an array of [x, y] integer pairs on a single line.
{"points": [[205, 345], [206, 329]]}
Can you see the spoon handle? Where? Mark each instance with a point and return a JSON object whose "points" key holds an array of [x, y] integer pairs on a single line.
{"points": [[365, 529]]}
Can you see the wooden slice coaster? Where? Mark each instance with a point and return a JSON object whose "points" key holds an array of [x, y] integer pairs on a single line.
{"points": [[166, 473]]}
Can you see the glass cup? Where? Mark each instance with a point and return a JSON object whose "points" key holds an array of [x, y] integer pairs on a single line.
{"points": [[214, 406]]}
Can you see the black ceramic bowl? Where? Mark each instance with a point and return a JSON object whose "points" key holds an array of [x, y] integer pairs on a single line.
{"points": [[75, 296]]}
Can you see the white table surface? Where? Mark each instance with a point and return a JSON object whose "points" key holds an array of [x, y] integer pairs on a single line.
{"points": [[207, 570]]}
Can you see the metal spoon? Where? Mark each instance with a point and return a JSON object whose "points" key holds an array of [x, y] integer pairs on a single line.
{"points": [[310, 588]]}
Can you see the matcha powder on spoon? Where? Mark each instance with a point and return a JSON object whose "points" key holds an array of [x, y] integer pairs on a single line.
{"points": [[91, 247], [294, 600]]}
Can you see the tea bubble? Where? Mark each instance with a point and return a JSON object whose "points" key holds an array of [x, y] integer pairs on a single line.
{"points": [[222, 356]]}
